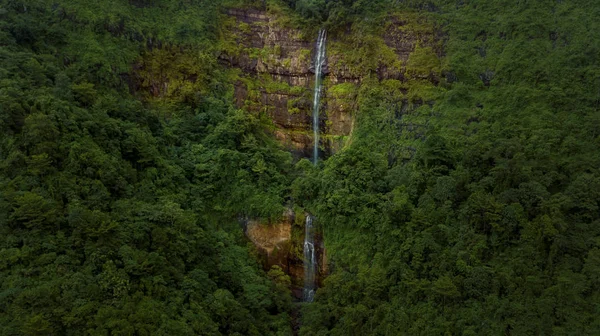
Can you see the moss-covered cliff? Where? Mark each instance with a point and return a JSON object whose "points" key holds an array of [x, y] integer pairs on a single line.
{"points": [[272, 62]]}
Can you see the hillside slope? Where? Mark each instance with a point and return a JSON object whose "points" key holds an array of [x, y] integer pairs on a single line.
{"points": [[458, 191]]}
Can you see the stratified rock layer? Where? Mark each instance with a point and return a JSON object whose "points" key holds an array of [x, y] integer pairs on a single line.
{"points": [[276, 75]]}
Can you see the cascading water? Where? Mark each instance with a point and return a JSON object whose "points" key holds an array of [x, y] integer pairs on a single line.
{"points": [[319, 63], [310, 262]]}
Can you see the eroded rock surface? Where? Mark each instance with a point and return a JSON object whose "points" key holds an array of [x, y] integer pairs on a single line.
{"points": [[276, 74], [278, 247]]}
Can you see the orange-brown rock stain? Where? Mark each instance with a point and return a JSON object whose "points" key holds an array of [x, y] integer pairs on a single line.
{"points": [[276, 247]]}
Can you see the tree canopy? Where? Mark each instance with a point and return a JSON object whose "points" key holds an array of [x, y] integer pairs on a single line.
{"points": [[467, 201]]}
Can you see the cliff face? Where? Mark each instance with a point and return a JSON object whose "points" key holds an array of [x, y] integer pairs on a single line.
{"points": [[276, 75], [274, 244], [280, 244]]}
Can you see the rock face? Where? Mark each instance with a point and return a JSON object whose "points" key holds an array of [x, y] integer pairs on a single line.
{"points": [[280, 244], [274, 244], [276, 78], [276, 74]]}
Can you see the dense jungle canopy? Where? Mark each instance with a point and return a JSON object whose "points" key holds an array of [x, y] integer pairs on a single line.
{"points": [[466, 200]]}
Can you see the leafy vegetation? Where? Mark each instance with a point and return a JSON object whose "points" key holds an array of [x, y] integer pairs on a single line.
{"points": [[119, 215], [470, 208], [465, 202]]}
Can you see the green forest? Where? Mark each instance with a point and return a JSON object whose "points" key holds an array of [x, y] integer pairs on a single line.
{"points": [[466, 200]]}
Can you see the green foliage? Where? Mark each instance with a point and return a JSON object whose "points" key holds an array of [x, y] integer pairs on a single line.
{"points": [[123, 173], [367, 54], [342, 90], [335, 14], [423, 62], [465, 202]]}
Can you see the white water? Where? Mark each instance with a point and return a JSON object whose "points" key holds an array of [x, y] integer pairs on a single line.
{"points": [[310, 262], [319, 63]]}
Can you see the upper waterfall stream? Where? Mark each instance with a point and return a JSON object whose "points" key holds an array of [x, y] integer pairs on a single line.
{"points": [[319, 63]]}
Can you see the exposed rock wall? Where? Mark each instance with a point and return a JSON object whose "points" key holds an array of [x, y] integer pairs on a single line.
{"points": [[276, 74], [277, 246], [275, 78]]}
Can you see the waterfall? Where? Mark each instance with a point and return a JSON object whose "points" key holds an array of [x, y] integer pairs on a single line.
{"points": [[310, 262], [319, 63]]}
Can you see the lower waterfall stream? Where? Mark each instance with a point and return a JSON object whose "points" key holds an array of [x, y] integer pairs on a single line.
{"points": [[310, 262]]}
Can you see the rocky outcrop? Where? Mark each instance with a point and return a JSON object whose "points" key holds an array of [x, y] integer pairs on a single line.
{"points": [[280, 244], [274, 243]]}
